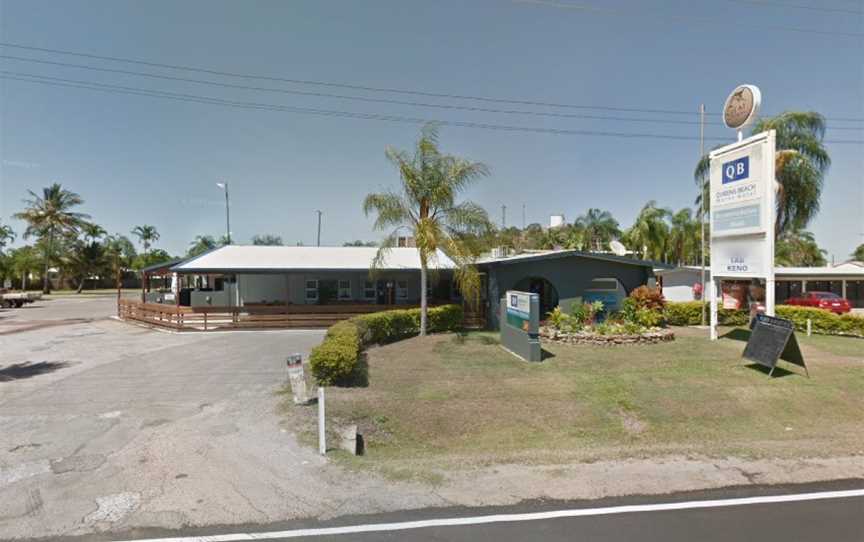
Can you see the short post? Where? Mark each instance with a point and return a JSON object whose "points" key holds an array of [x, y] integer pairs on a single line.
{"points": [[809, 327], [322, 438]]}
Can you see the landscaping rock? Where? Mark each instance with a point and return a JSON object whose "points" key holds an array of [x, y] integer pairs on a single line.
{"points": [[583, 337]]}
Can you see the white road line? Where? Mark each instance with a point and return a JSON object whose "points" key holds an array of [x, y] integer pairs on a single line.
{"points": [[504, 518]]}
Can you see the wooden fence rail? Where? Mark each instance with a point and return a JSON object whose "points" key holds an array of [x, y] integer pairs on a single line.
{"points": [[246, 317]]}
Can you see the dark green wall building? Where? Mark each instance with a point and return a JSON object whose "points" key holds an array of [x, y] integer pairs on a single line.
{"points": [[559, 277]]}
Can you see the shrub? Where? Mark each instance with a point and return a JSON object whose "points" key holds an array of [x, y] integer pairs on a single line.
{"points": [[335, 361], [689, 313], [586, 313], [648, 298]]}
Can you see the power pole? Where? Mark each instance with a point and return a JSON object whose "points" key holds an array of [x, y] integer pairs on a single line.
{"points": [[523, 216], [702, 201], [318, 242], [503, 217]]}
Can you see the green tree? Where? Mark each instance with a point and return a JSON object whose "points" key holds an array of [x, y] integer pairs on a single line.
{"points": [[7, 236], [49, 216], [153, 257], [84, 260], [598, 228], [146, 235], [858, 255], [798, 248], [119, 255], [426, 207], [24, 260], [684, 237], [92, 232], [649, 233], [267, 239], [201, 244], [800, 165]]}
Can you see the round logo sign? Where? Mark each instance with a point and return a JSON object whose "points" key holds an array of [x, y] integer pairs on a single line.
{"points": [[741, 106]]}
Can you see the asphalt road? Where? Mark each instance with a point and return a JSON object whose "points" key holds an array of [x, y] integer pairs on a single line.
{"points": [[823, 513]]}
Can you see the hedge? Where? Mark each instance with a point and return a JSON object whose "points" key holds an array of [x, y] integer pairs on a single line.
{"points": [[336, 361], [689, 313]]}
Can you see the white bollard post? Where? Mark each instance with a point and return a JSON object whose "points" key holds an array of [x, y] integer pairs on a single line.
{"points": [[809, 327], [322, 438]]}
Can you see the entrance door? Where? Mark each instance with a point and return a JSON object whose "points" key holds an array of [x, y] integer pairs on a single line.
{"points": [[327, 291], [386, 292]]}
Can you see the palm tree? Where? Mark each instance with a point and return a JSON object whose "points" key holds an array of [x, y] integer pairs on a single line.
{"points": [[598, 229], [201, 244], [50, 215], [858, 255], [7, 236], [798, 248], [650, 233], [426, 207], [92, 232], [146, 234], [683, 237], [119, 253], [800, 165], [24, 260]]}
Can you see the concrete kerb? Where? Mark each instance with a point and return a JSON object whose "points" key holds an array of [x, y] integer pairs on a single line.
{"points": [[213, 332]]}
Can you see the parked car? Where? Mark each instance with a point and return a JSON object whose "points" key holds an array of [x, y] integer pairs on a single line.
{"points": [[821, 300]]}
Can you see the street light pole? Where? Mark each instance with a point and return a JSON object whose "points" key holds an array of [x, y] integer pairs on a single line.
{"points": [[224, 186], [318, 242]]}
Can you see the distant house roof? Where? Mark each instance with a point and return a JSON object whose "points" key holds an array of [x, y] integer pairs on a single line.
{"points": [[273, 259], [162, 265], [553, 254]]}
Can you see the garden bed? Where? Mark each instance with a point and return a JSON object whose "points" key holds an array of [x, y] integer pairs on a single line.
{"points": [[652, 336]]}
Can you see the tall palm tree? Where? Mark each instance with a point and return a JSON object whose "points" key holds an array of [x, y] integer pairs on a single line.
{"points": [[24, 260], [798, 248], [7, 236], [650, 232], [683, 237], [598, 229], [426, 207], [92, 232], [49, 216], [201, 244], [800, 165], [146, 234]]}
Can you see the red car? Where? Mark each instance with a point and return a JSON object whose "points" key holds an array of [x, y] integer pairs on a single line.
{"points": [[821, 300]]}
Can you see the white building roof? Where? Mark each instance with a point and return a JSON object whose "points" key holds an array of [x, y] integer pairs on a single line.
{"points": [[238, 258]]}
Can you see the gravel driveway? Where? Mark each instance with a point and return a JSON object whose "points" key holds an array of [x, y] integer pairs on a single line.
{"points": [[106, 426]]}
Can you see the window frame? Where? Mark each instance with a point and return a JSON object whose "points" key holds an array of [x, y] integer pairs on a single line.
{"points": [[344, 289], [313, 290]]}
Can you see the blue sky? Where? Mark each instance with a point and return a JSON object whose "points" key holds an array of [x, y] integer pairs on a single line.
{"points": [[139, 159]]}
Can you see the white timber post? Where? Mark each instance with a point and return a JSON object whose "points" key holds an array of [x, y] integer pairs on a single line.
{"points": [[712, 291], [322, 437]]}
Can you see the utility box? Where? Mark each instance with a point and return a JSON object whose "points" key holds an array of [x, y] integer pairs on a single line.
{"points": [[520, 324], [608, 291], [297, 378]]}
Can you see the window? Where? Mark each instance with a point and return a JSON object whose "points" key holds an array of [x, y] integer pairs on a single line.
{"points": [[369, 290], [311, 290], [344, 289], [401, 289]]}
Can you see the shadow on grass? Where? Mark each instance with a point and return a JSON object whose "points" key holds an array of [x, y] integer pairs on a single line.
{"points": [[359, 377], [20, 371], [738, 334], [779, 372], [545, 354]]}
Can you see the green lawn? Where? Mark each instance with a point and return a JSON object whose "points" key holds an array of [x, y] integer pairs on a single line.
{"points": [[454, 400]]}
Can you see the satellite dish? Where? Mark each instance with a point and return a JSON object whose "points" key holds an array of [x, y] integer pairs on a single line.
{"points": [[617, 248]]}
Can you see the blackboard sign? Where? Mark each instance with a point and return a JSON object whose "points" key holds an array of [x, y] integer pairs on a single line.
{"points": [[772, 339]]}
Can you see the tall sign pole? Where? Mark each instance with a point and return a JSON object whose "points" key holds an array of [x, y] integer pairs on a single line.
{"points": [[702, 200], [742, 208]]}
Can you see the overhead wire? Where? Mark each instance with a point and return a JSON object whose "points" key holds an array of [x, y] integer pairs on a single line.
{"points": [[120, 89]]}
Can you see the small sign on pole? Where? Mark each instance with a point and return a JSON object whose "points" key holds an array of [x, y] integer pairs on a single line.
{"points": [[297, 378]]}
